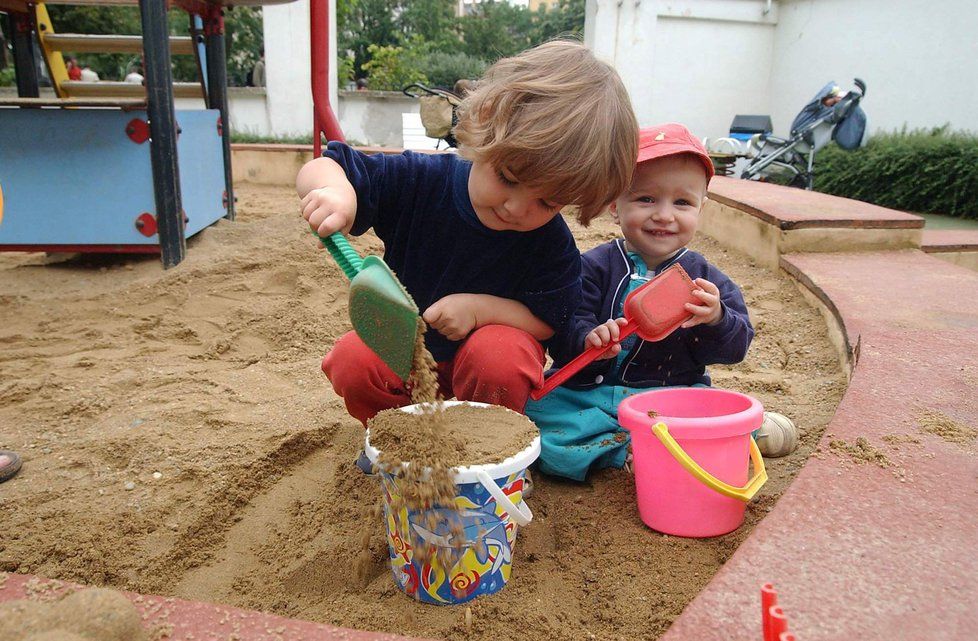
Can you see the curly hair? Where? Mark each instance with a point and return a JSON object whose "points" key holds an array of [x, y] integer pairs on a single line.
{"points": [[559, 120]]}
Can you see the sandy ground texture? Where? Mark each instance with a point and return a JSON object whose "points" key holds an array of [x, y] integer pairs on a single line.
{"points": [[179, 439]]}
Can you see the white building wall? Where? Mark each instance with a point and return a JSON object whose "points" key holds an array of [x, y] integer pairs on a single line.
{"points": [[288, 66], [703, 61], [711, 83], [247, 106], [919, 59], [249, 111], [375, 117], [694, 61], [371, 118]]}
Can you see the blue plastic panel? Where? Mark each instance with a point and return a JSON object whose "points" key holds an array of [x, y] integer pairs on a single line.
{"points": [[73, 176]]}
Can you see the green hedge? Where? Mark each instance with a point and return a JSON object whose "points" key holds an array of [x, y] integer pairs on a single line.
{"points": [[925, 171], [444, 69]]}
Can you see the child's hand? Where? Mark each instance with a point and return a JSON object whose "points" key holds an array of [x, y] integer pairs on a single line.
{"points": [[329, 209], [453, 316], [709, 311], [604, 334]]}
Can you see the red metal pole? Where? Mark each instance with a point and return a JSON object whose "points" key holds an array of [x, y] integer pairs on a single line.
{"points": [[324, 120]]}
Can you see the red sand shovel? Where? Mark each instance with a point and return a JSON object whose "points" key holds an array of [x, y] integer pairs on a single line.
{"points": [[654, 310]]}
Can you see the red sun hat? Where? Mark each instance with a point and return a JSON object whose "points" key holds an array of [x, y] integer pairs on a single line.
{"points": [[670, 139]]}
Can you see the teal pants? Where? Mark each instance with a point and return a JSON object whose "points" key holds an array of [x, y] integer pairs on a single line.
{"points": [[579, 429]]}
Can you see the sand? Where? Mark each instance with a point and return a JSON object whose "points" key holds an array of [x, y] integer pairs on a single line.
{"points": [[91, 614], [469, 435], [942, 425], [179, 439]]}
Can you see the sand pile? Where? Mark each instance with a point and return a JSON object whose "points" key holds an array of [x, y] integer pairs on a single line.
{"points": [[87, 615], [467, 435], [113, 371]]}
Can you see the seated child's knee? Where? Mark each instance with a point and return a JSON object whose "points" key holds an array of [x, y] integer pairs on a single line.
{"points": [[498, 337]]}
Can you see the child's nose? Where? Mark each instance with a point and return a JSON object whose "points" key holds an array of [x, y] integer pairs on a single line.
{"points": [[517, 205], [663, 213]]}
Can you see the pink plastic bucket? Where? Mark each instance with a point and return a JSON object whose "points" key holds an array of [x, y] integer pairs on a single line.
{"points": [[691, 460]]}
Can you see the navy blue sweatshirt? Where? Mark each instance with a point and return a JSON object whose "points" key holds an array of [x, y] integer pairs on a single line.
{"points": [[418, 204], [679, 359]]}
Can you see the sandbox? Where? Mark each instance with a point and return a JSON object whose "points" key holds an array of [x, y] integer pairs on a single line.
{"points": [[180, 440]]}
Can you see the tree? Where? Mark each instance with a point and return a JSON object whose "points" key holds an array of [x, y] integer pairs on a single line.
{"points": [[392, 68], [564, 19], [365, 23], [495, 30], [420, 29], [244, 39], [433, 21]]}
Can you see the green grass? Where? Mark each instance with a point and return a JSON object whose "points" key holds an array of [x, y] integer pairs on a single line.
{"points": [[940, 221], [244, 137], [247, 137]]}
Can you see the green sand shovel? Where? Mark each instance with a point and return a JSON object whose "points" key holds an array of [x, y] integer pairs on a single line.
{"points": [[384, 315]]}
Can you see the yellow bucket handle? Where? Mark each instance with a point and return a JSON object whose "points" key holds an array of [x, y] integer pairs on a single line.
{"points": [[744, 494]]}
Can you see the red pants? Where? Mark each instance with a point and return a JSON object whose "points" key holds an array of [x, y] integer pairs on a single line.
{"points": [[496, 364]]}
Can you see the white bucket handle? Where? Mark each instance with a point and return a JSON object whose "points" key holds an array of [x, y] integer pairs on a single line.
{"points": [[521, 514]]}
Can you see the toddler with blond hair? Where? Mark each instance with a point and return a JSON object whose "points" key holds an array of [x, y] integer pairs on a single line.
{"points": [[476, 238], [658, 214]]}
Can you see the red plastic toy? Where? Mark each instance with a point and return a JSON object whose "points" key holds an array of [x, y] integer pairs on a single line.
{"points": [[774, 623], [654, 310]]}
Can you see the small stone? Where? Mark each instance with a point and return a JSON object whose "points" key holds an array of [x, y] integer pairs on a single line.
{"points": [[137, 422], [130, 486], [157, 475]]}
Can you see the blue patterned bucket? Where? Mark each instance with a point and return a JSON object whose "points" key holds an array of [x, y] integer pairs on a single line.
{"points": [[489, 510]]}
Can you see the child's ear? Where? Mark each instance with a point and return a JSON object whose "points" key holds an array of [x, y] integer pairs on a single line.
{"points": [[613, 208]]}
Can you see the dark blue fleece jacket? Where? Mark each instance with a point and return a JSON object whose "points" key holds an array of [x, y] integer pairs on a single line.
{"points": [[418, 204], [679, 359]]}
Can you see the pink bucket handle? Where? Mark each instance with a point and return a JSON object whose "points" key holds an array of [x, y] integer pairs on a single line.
{"points": [[744, 493]]}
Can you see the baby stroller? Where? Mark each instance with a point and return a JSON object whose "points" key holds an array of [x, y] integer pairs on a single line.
{"points": [[831, 115], [438, 111]]}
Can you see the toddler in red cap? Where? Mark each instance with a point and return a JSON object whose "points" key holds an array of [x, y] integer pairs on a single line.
{"points": [[658, 215]]}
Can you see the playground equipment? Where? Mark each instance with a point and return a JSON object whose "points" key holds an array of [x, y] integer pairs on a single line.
{"points": [[111, 166]]}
